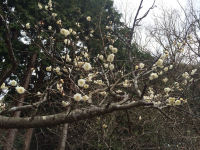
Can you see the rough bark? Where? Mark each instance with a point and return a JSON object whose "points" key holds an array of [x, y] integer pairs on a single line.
{"points": [[28, 137], [64, 117], [63, 137]]}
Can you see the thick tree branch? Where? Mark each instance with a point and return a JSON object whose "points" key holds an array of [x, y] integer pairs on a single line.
{"points": [[75, 115]]}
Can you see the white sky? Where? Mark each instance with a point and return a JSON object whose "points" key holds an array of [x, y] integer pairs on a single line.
{"points": [[128, 9]]}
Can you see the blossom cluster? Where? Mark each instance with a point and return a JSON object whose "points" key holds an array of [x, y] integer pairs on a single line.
{"points": [[11, 84], [79, 76]]}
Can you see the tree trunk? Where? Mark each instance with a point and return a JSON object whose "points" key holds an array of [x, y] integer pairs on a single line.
{"points": [[63, 137], [28, 137], [12, 132]]}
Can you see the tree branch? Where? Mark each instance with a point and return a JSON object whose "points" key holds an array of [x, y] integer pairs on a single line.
{"points": [[75, 115]]}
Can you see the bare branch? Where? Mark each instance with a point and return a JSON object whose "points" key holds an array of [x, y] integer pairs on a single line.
{"points": [[73, 116]]}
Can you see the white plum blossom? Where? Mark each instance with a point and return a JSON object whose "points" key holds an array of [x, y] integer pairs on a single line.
{"points": [[105, 65], [65, 104], [177, 102], [77, 24], [81, 82], [165, 80], [147, 98], [171, 100], [99, 82], [64, 32], [114, 50], [100, 57], [57, 69], [77, 97], [111, 66], [157, 104], [85, 48], [67, 41], [79, 64], [49, 27], [167, 90], [176, 84], [59, 22], [39, 93], [193, 71], [59, 87], [50, 3], [48, 68], [104, 126], [62, 81], [86, 86], [54, 14], [104, 93], [28, 26], [87, 66], [126, 83], [153, 76], [86, 55], [40, 6], [4, 87], [85, 98], [89, 18], [110, 58], [186, 75], [118, 91], [159, 63], [46, 7], [110, 47], [13, 83], [68, 59], [20, 89], [141, 65], [185, 82], [73, 32], [70, 30], [166, 69]]}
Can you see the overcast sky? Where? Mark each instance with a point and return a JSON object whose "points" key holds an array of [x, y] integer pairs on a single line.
{"points": [[128, 7]]}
